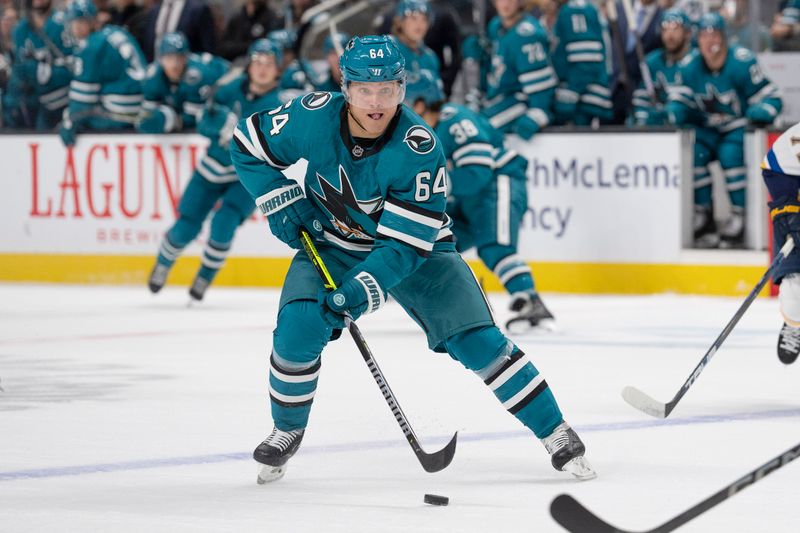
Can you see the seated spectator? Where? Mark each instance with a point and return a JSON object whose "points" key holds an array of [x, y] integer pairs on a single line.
{"points": [[106, 91], [191, 17], [785, 30], [252, 22]]}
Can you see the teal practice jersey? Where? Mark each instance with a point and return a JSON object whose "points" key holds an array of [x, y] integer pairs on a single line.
{"points": [[186, 98], [474, 151], [43, 59], [423, 58], [649, 109], [232, 101], [109, 71], [384, 202], [521, 82], [722, 100]]}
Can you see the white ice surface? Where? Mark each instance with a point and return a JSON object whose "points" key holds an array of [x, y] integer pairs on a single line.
{"points": [[126, 412]]}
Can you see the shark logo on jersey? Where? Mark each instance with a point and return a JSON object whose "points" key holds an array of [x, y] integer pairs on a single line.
{"points": [[525, 28], [192, 76], [720, 106], [419, 139], [350, 216], [315, 100]]}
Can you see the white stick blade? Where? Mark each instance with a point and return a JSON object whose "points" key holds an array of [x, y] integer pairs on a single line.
{"points": [[644, 403]]}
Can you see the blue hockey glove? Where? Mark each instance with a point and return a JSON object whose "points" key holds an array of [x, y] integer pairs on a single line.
{"points": [[786, 220], [356, 296], [761, 114], [67, 130], [287, 210]]}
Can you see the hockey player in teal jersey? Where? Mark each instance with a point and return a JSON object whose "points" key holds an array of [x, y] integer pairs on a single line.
{"points": [[374, 199], [521, 81], [411, 23], [581, 64], [488, 196], [331, 49], [720, 90], [43, 50], [781, 171], [106, 90], [176, 86], [295, 75], [215, 179], [676, 33]]}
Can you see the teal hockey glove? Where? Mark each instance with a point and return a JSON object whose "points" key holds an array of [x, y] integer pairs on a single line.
{"points": [[217, 123], [356, 296], [67, 130], [287, 210], [162, 119], [761, 114]]}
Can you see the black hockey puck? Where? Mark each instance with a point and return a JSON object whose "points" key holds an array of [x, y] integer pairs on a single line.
{"points": [[433, 499]]}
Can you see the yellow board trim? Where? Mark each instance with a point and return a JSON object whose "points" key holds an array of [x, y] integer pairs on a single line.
{"points": [[600, 278]]}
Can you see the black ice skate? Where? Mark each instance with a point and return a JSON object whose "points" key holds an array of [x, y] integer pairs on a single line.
{"points": [[530, 314], [732, 231], [273, 453], [788, 344], [566, 452], [158, 277], [198, 288], [705, 228]]}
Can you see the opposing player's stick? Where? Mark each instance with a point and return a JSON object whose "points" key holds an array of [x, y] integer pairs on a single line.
{"points": [[574, 517], [431, 462], [645, 403]]}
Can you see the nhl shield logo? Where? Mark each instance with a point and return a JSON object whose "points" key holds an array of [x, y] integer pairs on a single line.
{"points": [[419, 139], [358, 151], [315, 100]]}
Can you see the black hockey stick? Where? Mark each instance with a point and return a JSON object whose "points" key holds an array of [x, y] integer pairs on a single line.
{"points": [[647, 404], [431, 462], [574, 517]]}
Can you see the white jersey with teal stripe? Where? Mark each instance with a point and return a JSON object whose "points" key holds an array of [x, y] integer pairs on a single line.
{"points": [[386, 198], [784, 156]]}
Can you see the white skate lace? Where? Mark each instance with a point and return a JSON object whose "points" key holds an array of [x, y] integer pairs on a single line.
{"points": [[790, 338], [282, 439]]}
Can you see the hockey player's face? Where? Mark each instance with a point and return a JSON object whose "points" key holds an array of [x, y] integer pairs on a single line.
{"points": [[674, 36], [507, 8], [373, 104], [263, 69], [712, 44], [414, 26], [173, 65], [80, 28]]}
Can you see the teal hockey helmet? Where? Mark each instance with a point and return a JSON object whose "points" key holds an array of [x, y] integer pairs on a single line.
{"points": [[265, 47], [81, 9], [373, 59], [407, 7], [712, 22], [675, 15], [425, 86], [339, 37], [285, 39], [173, 42]]}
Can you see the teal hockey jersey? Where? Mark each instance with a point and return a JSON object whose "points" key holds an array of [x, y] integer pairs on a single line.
{"points": [[474, 151], [186, 98], [109, 70], [579, 44], [384, 201], [43, 60], [521, 82], [423, 58], [232, 101], [649, 110], [722, 100]]}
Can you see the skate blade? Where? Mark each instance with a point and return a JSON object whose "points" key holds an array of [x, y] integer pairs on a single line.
{"points": [[268, 474], [580, 468], [521, 326]]}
